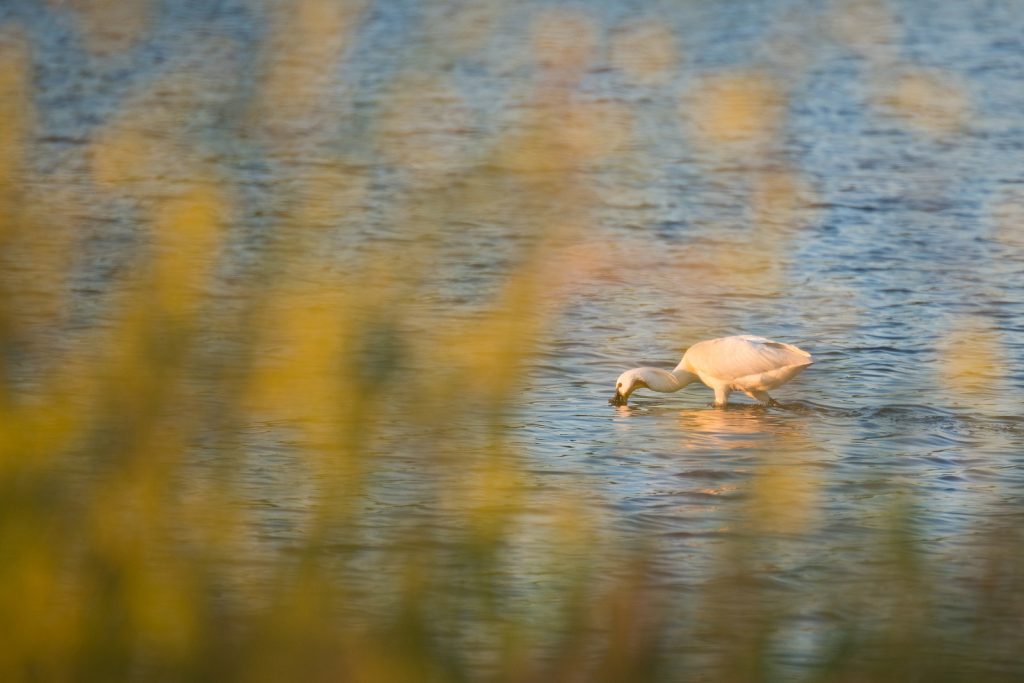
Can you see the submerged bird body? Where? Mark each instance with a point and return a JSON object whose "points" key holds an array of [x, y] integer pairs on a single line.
{"points": [[744, 363]]}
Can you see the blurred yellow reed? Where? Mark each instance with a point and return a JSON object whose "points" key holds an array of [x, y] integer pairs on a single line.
{"points": [[785, 493], [726, 112], [15, 106], [187, 234], [563, 136], [971, 358], [465, 27], [867, 26], [424, 125], [779, 201], [110, 26], [564, 42], [645, 51], [36, 238], [929, 101], [144, 141], [1007, 211], [303, 341], [308, 38], [118, 156]]}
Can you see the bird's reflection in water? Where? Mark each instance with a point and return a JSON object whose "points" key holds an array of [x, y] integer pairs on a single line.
{"points": [[741, 427], [782, 492]]}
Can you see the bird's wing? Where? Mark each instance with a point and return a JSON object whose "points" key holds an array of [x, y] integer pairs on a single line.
{"points": [[731, 358]]}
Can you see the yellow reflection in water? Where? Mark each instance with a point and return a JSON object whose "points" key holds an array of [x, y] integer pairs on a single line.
{"points": [[15, 104], [36, 233], [740, 426], [736, 427], [779, 200], [303, 340], [645, 51], [327, 197], [144, 140], [563, 136], [1008, 214], [867, 26], [308, 39], [187, 231], [119, 155], [487, 495], [110, 26], [786, 493], [784, 487], [426, 125], [971, 359], [564, 42], [929, 101], [726, 109]]}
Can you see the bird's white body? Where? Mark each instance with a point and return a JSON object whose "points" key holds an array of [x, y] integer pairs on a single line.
{"points": [[744, 363]]}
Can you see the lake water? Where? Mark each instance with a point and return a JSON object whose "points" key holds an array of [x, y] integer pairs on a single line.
{"points": [[866, 203]]}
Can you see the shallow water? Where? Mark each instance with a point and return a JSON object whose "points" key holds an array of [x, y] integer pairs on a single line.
{"points": [[897, 260]]}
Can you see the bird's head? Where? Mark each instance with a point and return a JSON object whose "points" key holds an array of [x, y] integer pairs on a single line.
{"points": [[626, 384]]}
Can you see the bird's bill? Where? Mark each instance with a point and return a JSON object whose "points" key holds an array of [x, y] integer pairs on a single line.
{"points": [[618, 399]]}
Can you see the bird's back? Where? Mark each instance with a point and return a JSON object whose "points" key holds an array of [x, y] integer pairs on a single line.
{"points": [[733, 359]]}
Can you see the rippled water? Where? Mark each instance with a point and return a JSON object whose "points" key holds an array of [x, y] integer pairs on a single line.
{"points": [[898, 260]]}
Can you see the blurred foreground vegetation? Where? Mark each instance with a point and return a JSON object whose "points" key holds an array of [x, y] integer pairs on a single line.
{"points": [[137, 528]]}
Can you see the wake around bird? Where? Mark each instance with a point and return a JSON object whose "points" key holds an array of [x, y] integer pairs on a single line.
{"points": [[744, 363]]}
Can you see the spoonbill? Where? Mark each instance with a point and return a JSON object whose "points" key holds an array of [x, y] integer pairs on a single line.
{"points": [[744, 363]]}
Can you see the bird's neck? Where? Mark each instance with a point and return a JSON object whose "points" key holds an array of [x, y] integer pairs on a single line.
{"points": [[657, 379]]}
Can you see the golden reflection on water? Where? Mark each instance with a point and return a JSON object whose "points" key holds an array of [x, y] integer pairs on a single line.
{"points": [[111, 26], [308, 38], [560, 135], [188, 233], [735, 113], [466, 28], [786, 493], [564, 43], [867, 26], [1008, 213], [783, 490], [645, 51], [15, 104], [426, 125], [331, 195], [743, 426], [930, 101], [299, 347], [971, 358], [779, 199]]}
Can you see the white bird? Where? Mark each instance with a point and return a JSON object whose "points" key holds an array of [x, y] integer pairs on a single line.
{"points": [[744, 363]]}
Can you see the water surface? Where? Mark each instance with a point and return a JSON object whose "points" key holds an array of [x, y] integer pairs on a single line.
{"points": [[871, 217]]}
